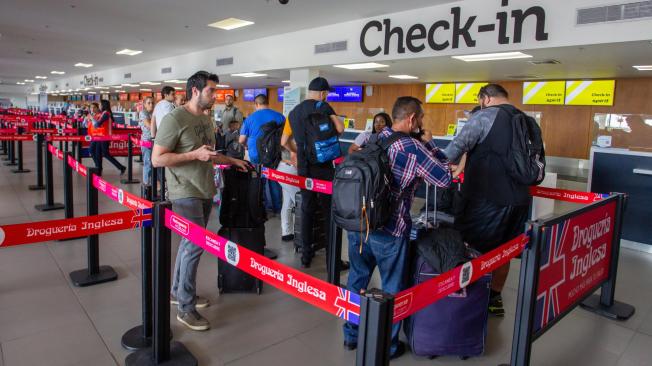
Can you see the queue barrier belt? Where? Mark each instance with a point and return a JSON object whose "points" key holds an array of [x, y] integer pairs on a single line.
{"points": [[124, 198], [77, 166], [311, 184], [567, 195], [35, 232]]}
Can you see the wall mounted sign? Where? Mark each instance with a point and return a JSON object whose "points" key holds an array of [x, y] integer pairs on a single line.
{"points": [[544, 92], [590, 92], [440, 93], [467, 93]]}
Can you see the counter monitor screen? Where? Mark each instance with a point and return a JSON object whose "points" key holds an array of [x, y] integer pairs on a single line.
{"points": [[350, 94], [280, 92]]}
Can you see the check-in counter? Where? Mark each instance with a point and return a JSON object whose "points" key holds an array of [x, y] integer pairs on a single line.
{"points": [[626, 171]]}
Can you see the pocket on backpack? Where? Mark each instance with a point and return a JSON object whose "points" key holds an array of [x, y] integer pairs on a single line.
{"points": [[327, 150]]}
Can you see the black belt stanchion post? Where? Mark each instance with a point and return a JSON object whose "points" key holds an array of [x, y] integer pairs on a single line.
{"points": [[39, 164], [20, 168], [68, 200], [130, 165], [375, 330], [163, 351], [140, 336], [334, 252], [49, 186], [605, 304], [95, 273], [11, 157]]}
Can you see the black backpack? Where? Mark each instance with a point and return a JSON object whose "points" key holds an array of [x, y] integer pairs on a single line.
{"points": [[242, 199], [526, 162], [321, 138], [361, 191], [269, 144]]}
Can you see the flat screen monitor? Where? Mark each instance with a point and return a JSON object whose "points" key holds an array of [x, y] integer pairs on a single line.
{"points": [[119, 118], [350, 94], [280, 92], [250, 94]]}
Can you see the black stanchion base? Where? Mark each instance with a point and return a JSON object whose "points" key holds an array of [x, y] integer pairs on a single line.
{"points": [[52, 207], [11, 164], [20, 170], [82, 278], [179, 356], [133, 339], [36, 187], [618, 311], [268, 253], [129, 181]]}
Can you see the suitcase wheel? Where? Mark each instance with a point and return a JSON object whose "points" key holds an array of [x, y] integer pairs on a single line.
{"points": [[220, 284], [259, 287]]}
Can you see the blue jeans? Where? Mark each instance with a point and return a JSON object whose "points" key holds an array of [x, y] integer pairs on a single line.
{"points": [[184, 288], [147, 164], [387, 252], [273, 195]]}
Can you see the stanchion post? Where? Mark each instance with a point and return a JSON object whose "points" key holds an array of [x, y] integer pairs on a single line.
{"points": [[140, 336], [130, 165], [49, 186], [162, 351], [375, 330], [11, 158], [605, 303], [39, 164], [68, 201], [95, 273], [3, 148], [20, 168], [334, 252]]}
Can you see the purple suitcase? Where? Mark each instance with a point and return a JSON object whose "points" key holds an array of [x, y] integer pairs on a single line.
{"points": [[455, 325]]}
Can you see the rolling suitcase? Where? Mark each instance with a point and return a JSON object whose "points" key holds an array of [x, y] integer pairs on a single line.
{"points": [[242, 199], [230, 278], [318, 233]]}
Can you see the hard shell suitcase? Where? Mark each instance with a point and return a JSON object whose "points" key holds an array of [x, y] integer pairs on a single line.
{"points": [[318, 232], [230, 278]]}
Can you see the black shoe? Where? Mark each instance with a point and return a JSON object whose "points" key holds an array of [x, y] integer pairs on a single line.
{"points": [[305, 264], [496, 307], [400, 351], [350, 346], [287, 237]]}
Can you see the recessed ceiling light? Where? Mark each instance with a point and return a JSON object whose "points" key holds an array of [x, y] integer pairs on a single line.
{"points": [[286, 81], [492, 56], [92, 93], [130, 85], [230, 23], [57, 72], [144, 89], [362, 66], [129, 52], [40, 77], [223, 86], [103, 87], [178, 88], [116, 86], [174, 81], [150, 83], [249, 74], [29, 80], [20, 83], [403, 77], [81, 64], [643, 67]]}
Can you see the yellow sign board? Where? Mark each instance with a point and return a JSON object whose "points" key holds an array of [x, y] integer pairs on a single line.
{"points": [[467, 93], [590, 92], [544, 92], [451, 129], [440, 93], [349, 123]]}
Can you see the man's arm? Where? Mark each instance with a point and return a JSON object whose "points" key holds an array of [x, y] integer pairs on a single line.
{"points": [[164, 157], [475, 130], [339, 124], [242, 140], [288, 142]]}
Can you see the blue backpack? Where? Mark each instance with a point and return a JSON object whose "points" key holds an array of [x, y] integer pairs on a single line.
{"points": [[321, 140]]}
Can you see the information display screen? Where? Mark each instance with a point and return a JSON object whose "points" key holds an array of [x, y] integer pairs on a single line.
{"points": [[250, 94], [350, 94], [280, 92]]}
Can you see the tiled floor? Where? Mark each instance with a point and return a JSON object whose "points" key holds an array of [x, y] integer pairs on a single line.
{"points": [[44, 320]]}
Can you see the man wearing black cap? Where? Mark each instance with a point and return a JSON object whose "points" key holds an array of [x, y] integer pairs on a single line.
{"points": [[315, 103]]}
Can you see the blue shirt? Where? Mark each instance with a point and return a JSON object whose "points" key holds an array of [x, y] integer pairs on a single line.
{"points": [[253, 129]]}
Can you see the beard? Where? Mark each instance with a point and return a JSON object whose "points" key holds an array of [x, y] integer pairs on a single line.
{"points": [[205, 103]]}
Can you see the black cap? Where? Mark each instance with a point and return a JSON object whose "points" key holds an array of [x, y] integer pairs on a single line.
{"points": [[319, 84]]}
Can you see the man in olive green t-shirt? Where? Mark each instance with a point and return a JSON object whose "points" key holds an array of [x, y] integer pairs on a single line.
{"points": [[184, 145]]}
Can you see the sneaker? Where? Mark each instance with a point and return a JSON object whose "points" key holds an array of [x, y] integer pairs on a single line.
{"points": [[193, 320], [350, 346], [496, 306], [400, 351], [123, 171], [200, 302], [287, 237]]}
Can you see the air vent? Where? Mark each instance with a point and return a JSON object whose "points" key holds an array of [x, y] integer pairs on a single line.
{"points": [[544, 62], [331, 47], [224, 61], [613, 13], [127, 76], [166, 70]]}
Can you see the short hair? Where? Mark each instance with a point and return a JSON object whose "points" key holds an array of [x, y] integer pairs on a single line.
{"points": [[404, 106], [492, 90], [199, 80], [261, 99], [97, 105], [167, 90], [145, 99]]}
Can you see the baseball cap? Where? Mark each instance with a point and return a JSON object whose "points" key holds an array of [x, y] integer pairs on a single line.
{"points": [[319, 84]]}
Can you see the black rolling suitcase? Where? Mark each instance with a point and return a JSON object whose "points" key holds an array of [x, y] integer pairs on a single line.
{"points": [[231, 279], [242, 199], [318, 233]]}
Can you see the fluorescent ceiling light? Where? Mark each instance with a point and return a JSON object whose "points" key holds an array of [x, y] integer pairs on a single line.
{"points": [[492, 56], [362, 66], [403, 77], [40, 77], [103, 87], [223, 86], [116, 86], [178, 88], [81, 64], [129, 52], [144, 89], [34, 93], [92, 93], [174, 81], [131, 85], [20, 83], [149, 83], [249, 74], [29, 80], [230, 23], [57, 72], [638, 67], [286, 81]]}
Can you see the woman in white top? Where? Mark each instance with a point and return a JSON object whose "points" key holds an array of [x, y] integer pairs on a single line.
{"points": [[381, 120]]}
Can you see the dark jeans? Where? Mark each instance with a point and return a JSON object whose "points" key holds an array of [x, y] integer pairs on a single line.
{"points": [[389, 254], [100, 150], [309, 202], [273, 195]]}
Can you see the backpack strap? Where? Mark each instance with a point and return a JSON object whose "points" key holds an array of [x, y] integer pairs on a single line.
{"points": [[387, 142]]}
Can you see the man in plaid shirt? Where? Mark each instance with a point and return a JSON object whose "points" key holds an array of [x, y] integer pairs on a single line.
{"points": [[411, 162]]}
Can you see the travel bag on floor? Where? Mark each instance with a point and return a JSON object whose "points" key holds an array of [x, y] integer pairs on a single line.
{"points": [[318, 233], [242, 199], [231, 279]]}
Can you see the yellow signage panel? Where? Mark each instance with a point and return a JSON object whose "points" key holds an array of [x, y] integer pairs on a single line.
{"points": [[451, 129], [440, 93], [590, 92], [467, 93], [544, 92]]}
